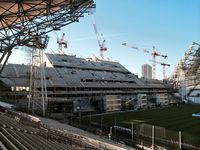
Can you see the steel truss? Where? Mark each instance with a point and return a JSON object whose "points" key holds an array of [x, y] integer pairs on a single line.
{"points": [[190, 67], [191, 61], [23, 20]]}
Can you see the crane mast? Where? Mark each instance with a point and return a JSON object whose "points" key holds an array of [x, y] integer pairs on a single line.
{"points": [[163, 65], [101, 44], [154, 54], [61, 42]]}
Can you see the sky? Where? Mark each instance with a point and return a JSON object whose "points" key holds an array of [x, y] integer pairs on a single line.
{"points": [[169, 25]]}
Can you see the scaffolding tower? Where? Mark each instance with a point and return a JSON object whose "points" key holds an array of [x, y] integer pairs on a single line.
{"points": [[20, 19], [37, 98]]}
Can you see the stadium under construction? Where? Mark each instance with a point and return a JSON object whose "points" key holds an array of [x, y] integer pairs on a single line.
{"points": [[80, 85], [60, 86], [185, 77]]}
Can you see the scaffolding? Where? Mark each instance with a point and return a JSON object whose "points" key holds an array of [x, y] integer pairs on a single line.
{"points": [[19, 20], [37, 98], [187, 73]]}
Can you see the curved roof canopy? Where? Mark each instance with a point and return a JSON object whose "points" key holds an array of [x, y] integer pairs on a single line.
{"points": [[16, 11], [22, 22]]}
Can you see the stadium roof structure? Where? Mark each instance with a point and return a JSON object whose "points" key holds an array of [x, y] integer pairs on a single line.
{"points": [[72, 71], [23, 22]]}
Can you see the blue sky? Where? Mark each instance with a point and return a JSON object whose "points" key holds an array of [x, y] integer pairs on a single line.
{"points": [[169, 25]]}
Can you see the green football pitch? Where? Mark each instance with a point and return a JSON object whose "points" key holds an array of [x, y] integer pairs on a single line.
{"points": [[175, 118]]}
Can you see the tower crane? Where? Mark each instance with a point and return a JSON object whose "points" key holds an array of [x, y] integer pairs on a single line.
{"points": [[101, 41], [61, 43], [153, 53], [163, 65]]}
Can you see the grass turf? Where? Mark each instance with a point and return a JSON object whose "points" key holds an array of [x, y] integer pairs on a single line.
{"points": [[176, 118]]}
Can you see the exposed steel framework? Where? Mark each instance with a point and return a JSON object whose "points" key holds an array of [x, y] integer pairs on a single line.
{"points": [[188, 69], [21, 22], [191, 61]]}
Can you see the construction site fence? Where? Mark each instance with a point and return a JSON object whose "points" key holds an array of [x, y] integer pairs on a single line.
{"points": [[143, 135], [163, 137]]}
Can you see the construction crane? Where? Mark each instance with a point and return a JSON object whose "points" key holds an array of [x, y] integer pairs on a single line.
{"points": [[154, 54], [101, 41], [61, 43], [163, 65], [22, 20]]}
